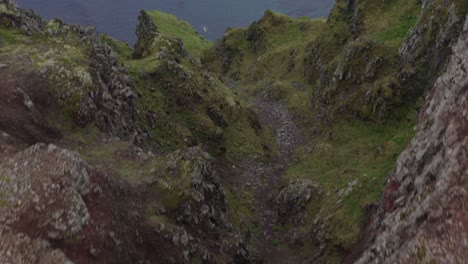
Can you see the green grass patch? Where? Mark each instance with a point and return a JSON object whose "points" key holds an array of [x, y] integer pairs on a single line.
{"points": [[10, 36], [351, 152], [173, 26], [390, 22]]}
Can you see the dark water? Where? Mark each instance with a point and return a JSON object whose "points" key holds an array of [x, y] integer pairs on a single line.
{"points": [[118, 18]]}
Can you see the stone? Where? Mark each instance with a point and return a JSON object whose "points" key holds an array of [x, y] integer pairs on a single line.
{"points": [[293, 199]]}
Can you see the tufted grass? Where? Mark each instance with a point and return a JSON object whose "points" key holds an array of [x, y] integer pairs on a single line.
{"points": [[173, 26]]}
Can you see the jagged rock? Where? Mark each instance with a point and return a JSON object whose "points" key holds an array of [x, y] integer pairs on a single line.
{"points": [[146, 32], [293, 199], [112, 103], [41, 189], [205, 210], [24, 20], [56, 28], [257, 36], [150, 41], [441, 30], [422, 217], [18, 248]]}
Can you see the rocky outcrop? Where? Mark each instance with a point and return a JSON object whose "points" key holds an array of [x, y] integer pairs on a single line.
{"points": [[41, 197], [205, 211], [362, 75], [423, 211], [41, 192], [428, 44], [26, 21], [112, 101], [198, 225], [151, 42], [146, 32], [95, 88], [293, 199], [257, 36]]}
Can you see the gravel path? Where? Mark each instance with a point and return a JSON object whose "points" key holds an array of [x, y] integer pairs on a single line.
{"points": [[263, 178]]}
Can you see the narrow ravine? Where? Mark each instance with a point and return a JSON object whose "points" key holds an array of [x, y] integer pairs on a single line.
{"points": [[263, 178]]}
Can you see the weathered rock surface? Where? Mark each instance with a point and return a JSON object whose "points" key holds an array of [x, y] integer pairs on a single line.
{"points": [[41, 197], [423, 212], [41, 192]]}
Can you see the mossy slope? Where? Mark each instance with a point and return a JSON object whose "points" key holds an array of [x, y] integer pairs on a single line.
{"points": [[352, 82]]}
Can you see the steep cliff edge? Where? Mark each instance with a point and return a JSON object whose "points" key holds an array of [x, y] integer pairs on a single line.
{"points": [[422, 216]]}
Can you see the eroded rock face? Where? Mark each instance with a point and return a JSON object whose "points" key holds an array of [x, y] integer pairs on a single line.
{"points": [[424, 207], [41, 192]]}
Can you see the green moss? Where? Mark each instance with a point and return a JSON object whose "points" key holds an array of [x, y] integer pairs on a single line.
{"points": [[397, 26], [10, 36], [5, 179], [173, 26]]}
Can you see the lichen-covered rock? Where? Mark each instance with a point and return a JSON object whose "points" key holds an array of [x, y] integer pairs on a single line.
{"points": [[423, 212], [20, 249], [293, 199], [41, 192]]}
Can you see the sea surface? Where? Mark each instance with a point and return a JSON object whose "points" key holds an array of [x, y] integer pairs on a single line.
{"points": [[118, 18]]}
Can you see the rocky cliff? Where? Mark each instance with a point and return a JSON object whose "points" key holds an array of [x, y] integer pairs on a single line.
{"points": [[421, 218]]}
